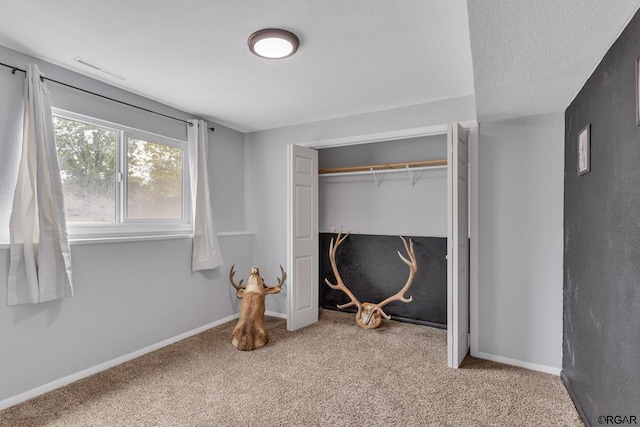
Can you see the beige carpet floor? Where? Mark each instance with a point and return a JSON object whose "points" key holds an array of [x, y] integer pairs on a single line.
{"points": [[332, 373]]}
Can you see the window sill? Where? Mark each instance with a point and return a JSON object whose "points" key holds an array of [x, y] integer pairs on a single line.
{"points": [[125, 239], [132, 239]]}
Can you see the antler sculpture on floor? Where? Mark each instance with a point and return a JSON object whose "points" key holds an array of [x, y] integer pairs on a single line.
{"points": [[369, 316]]}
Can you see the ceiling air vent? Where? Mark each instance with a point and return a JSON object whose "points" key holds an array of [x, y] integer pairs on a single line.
{"points": [[90, 64]]}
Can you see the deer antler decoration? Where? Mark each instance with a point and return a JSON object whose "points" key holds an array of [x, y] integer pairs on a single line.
{"points": [[369, 316], [341, 286], [250, 332]]}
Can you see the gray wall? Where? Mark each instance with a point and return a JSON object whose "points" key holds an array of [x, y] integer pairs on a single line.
{"points": [[520, 172], [265, 169], [395, 207], [602, 235], [226, 146], [432, 147], [520, 241], [127, 295]]}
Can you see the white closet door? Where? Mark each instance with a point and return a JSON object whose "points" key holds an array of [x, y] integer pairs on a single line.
{"points": [[302, 239], [458, 245]]}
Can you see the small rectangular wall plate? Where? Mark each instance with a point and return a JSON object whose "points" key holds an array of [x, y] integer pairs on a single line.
{"points": [[584, 150], [638, 92]]}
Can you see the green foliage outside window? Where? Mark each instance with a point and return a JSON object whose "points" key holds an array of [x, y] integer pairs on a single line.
{"points": [[88, 158]]}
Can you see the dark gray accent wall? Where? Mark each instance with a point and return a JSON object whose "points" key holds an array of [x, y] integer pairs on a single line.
{"points": [[601, 338]]}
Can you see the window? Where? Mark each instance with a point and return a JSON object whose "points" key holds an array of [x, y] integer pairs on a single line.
{"points": [[120, 180]]}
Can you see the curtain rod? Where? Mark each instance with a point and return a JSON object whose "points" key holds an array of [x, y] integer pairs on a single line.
{"points": [[14, 69]]}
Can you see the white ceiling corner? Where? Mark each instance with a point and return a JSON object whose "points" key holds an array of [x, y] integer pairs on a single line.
{"points": [[532, 57]]}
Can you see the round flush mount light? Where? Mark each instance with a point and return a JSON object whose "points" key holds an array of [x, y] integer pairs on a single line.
{"points": [[273, 43]]}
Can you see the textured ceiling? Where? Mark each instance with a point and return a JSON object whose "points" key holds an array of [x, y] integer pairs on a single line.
{"points": [[355, 56], [532, 57]]}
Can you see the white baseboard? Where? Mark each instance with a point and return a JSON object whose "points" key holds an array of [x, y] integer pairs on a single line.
{"points": [[519, 363], [274, 314], [19, 398]]}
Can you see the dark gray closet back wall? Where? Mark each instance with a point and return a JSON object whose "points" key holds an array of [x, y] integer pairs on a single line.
{"points": [[601, 342]]}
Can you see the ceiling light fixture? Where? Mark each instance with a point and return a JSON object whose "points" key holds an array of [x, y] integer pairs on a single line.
{"points": [[273, 43]]}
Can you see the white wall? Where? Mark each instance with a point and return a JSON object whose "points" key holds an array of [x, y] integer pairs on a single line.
{"points": [[520, 214], [128, 295], [395, 207], [265, 169]]}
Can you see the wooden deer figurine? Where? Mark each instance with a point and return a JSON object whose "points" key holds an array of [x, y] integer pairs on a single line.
{"points": [[250, 332]]}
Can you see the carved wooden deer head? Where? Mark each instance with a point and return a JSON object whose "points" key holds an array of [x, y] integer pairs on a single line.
{"points": [[369, 315], [250, 332]]}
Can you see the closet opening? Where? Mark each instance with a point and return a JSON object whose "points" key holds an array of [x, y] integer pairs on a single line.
{"points": [[378, 192], [421, 213]]}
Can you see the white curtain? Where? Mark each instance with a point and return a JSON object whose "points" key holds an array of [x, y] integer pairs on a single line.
{"points": [[40, 261], [206, 249]]}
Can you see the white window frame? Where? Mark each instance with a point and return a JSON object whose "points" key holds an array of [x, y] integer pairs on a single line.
{"points": [[124, 227]]}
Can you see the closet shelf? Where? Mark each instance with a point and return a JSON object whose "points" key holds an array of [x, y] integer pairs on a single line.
{"points": [[396, 167], [408, 167]]}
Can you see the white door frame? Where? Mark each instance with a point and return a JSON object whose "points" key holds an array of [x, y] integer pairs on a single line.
{"points": [[473, 195]]}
